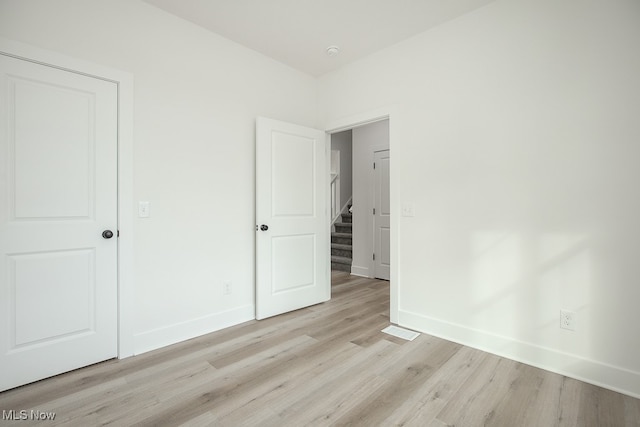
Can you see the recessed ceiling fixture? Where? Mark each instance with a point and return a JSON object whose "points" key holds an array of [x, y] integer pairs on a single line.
{"points": [[333, 50]]}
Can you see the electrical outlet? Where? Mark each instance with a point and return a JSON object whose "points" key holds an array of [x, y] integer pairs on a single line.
{"points": [[568, 320], [226, 287]]}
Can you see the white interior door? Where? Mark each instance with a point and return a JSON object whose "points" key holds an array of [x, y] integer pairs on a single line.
{"points": [[292, 235], [58, 193], [381, 217]]}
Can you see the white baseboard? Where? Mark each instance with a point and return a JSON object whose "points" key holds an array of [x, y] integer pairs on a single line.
{"points": [[359, 271], [172, 334], [590, 371]]}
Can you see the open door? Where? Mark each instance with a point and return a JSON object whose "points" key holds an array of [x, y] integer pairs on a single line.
{"points": [[292, 231]]}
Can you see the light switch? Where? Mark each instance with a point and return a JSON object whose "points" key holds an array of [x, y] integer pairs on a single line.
{"points": [[143, 209], [408, 209]]}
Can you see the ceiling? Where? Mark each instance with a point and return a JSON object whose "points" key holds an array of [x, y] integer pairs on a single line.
{"points": [[298, 32]]}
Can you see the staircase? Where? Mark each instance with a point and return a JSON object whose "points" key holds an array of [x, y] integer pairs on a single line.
{"points": [[341, 244]]}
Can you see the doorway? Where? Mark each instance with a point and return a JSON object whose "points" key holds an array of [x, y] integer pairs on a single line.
{"points": [[341, 194], [369, 249]]}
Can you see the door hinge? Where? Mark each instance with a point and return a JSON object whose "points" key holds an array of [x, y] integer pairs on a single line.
{"points": [[374, 165], [374, 257], [118, 233], [374, 211]]}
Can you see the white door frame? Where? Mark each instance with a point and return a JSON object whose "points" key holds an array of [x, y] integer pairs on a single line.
{"points": [[124, 82], [349, 122]]}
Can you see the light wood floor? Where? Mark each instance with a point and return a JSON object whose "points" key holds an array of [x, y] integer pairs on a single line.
{"points": [[323, 365]]}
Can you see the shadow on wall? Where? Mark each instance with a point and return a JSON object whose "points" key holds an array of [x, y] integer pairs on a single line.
{"points": [[521, 282]]}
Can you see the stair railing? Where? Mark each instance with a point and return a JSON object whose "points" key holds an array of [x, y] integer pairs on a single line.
{"points": [[335, 198]]}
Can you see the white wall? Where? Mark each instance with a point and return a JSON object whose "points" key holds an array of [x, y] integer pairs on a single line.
{"points": [[341, 141], [517, 139], [366, 139], [196, 98]]}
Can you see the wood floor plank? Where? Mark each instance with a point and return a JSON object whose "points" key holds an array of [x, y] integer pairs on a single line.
{"points": [[206, 398], [407, 373], [329, 364], [373, 333], [268, 388], [631, 410], [136, 401], [427, 401], [316, 384], [332, 403], [205, 420], [475, 402], [600, 407], [530, 399]]}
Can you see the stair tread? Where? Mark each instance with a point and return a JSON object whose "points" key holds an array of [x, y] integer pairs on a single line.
{"points": [[343, 224], [336, 234], [340, 259], [341, 267], [342, 246]]}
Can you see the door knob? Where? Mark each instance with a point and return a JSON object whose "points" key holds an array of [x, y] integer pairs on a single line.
{"points": [[107, 234], [264, 227]]}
